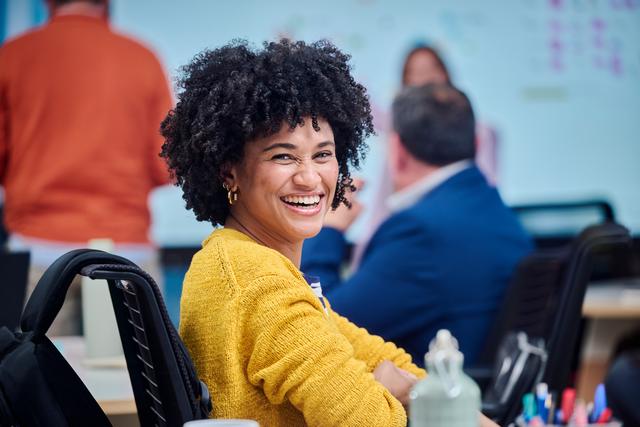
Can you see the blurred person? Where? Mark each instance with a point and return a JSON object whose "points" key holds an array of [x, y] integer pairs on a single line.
{"points": [[80, 111], [422, 65], [443, 258]]}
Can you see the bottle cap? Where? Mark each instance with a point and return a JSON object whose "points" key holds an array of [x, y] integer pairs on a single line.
{"points": [[446, 361], [444, 347]]}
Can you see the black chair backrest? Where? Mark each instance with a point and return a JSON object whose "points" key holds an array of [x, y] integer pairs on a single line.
{"points": [[165, 385], [530, 300], [563, 332]]}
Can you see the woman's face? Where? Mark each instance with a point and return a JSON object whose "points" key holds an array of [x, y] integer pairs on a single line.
{"points": [[423, 68], [286, 183]]}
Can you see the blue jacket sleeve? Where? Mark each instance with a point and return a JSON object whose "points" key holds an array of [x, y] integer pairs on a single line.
{"points": [[322, 256], [387, 292]]}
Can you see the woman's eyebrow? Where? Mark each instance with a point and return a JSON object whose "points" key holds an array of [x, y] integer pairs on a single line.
{"points": [[285, 145], [325, 143], [290, 146]]}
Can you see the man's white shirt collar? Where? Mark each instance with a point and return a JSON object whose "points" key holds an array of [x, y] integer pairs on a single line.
{"points": [[410, 195]]}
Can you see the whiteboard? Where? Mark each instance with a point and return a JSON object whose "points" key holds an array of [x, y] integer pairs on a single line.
{"points": [[559, 80]]}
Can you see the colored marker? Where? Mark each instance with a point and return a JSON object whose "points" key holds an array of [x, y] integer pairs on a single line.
{"points": [[550, 406], [536, 422], [528, 406], [605, 416], [599, 402], [580, 415], [568, 403], [542, 391]]}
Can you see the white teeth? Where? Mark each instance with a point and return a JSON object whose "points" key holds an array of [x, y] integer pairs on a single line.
{"points": [[302, 200]]}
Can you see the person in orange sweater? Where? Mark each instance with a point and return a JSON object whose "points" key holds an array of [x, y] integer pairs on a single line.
{"points": [[80, 111]]}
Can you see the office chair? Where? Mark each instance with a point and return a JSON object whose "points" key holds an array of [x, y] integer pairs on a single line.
{"points": [[563, 329], [166, 389], [556, 224], [528, 304], [14, 274], [544, 300]]}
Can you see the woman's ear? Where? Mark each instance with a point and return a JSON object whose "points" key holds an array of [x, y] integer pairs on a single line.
{"points": [[229, 180]]}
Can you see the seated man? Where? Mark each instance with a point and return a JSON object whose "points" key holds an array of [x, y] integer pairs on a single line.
{"points": [[446, 253]]}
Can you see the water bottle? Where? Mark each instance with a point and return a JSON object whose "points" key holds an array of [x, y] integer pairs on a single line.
{"points": [[447, 397]]}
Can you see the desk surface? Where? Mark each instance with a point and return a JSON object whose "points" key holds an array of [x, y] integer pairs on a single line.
{"points": [[617, 299], [111, 387]]}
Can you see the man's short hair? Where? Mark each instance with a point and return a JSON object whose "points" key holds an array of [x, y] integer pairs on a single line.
{"points": [[435, 123]]}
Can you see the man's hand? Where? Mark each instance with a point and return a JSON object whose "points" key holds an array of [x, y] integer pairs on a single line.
{"points": [[342, 218], [396, 380]]}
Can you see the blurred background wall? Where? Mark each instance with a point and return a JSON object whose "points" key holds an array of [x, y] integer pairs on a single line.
{"points": [[559, 80]]}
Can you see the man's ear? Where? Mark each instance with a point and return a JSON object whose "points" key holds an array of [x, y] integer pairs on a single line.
{"points": [[398, 154]]}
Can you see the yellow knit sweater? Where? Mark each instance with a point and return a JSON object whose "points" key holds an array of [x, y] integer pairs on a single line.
{"points": [[267, 349]]}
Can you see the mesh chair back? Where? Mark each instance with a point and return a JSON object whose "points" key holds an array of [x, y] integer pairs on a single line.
{"points": [[530, 299], [165, 386], [563, 330]]}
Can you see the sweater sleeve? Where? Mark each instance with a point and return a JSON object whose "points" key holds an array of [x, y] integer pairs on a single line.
{"points": [[295, 353], [372, 349]]}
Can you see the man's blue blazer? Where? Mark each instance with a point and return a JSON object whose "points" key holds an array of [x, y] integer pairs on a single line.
{"points": [[444, 262]]}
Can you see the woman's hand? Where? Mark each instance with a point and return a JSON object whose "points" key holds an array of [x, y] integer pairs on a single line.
{"points": [[486, 422], [342, 218], [396, 380]]}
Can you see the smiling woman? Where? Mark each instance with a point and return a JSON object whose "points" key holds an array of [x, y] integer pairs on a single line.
{"points": [[261, 142]]}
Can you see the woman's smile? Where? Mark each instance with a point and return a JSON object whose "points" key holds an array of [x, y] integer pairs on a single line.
{"points": [[305, 204]]}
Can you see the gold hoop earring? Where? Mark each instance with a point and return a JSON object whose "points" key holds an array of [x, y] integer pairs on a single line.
{"points": [[232, 196]]}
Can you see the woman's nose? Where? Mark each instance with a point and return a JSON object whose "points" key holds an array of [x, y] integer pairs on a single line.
{"points": [[307, 175]]}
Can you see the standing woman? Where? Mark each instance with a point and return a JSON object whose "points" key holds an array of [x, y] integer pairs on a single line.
{"points": [[261, 142], [424, 65]]}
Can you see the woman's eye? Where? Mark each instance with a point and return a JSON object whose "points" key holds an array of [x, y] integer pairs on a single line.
{"points": [[324, 155], [284, 157]]}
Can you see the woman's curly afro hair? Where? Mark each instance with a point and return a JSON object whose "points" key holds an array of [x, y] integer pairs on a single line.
{"points": [[235, 94]]}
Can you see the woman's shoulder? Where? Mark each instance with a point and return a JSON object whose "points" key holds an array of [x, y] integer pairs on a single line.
{"points": [[242, 255]]}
